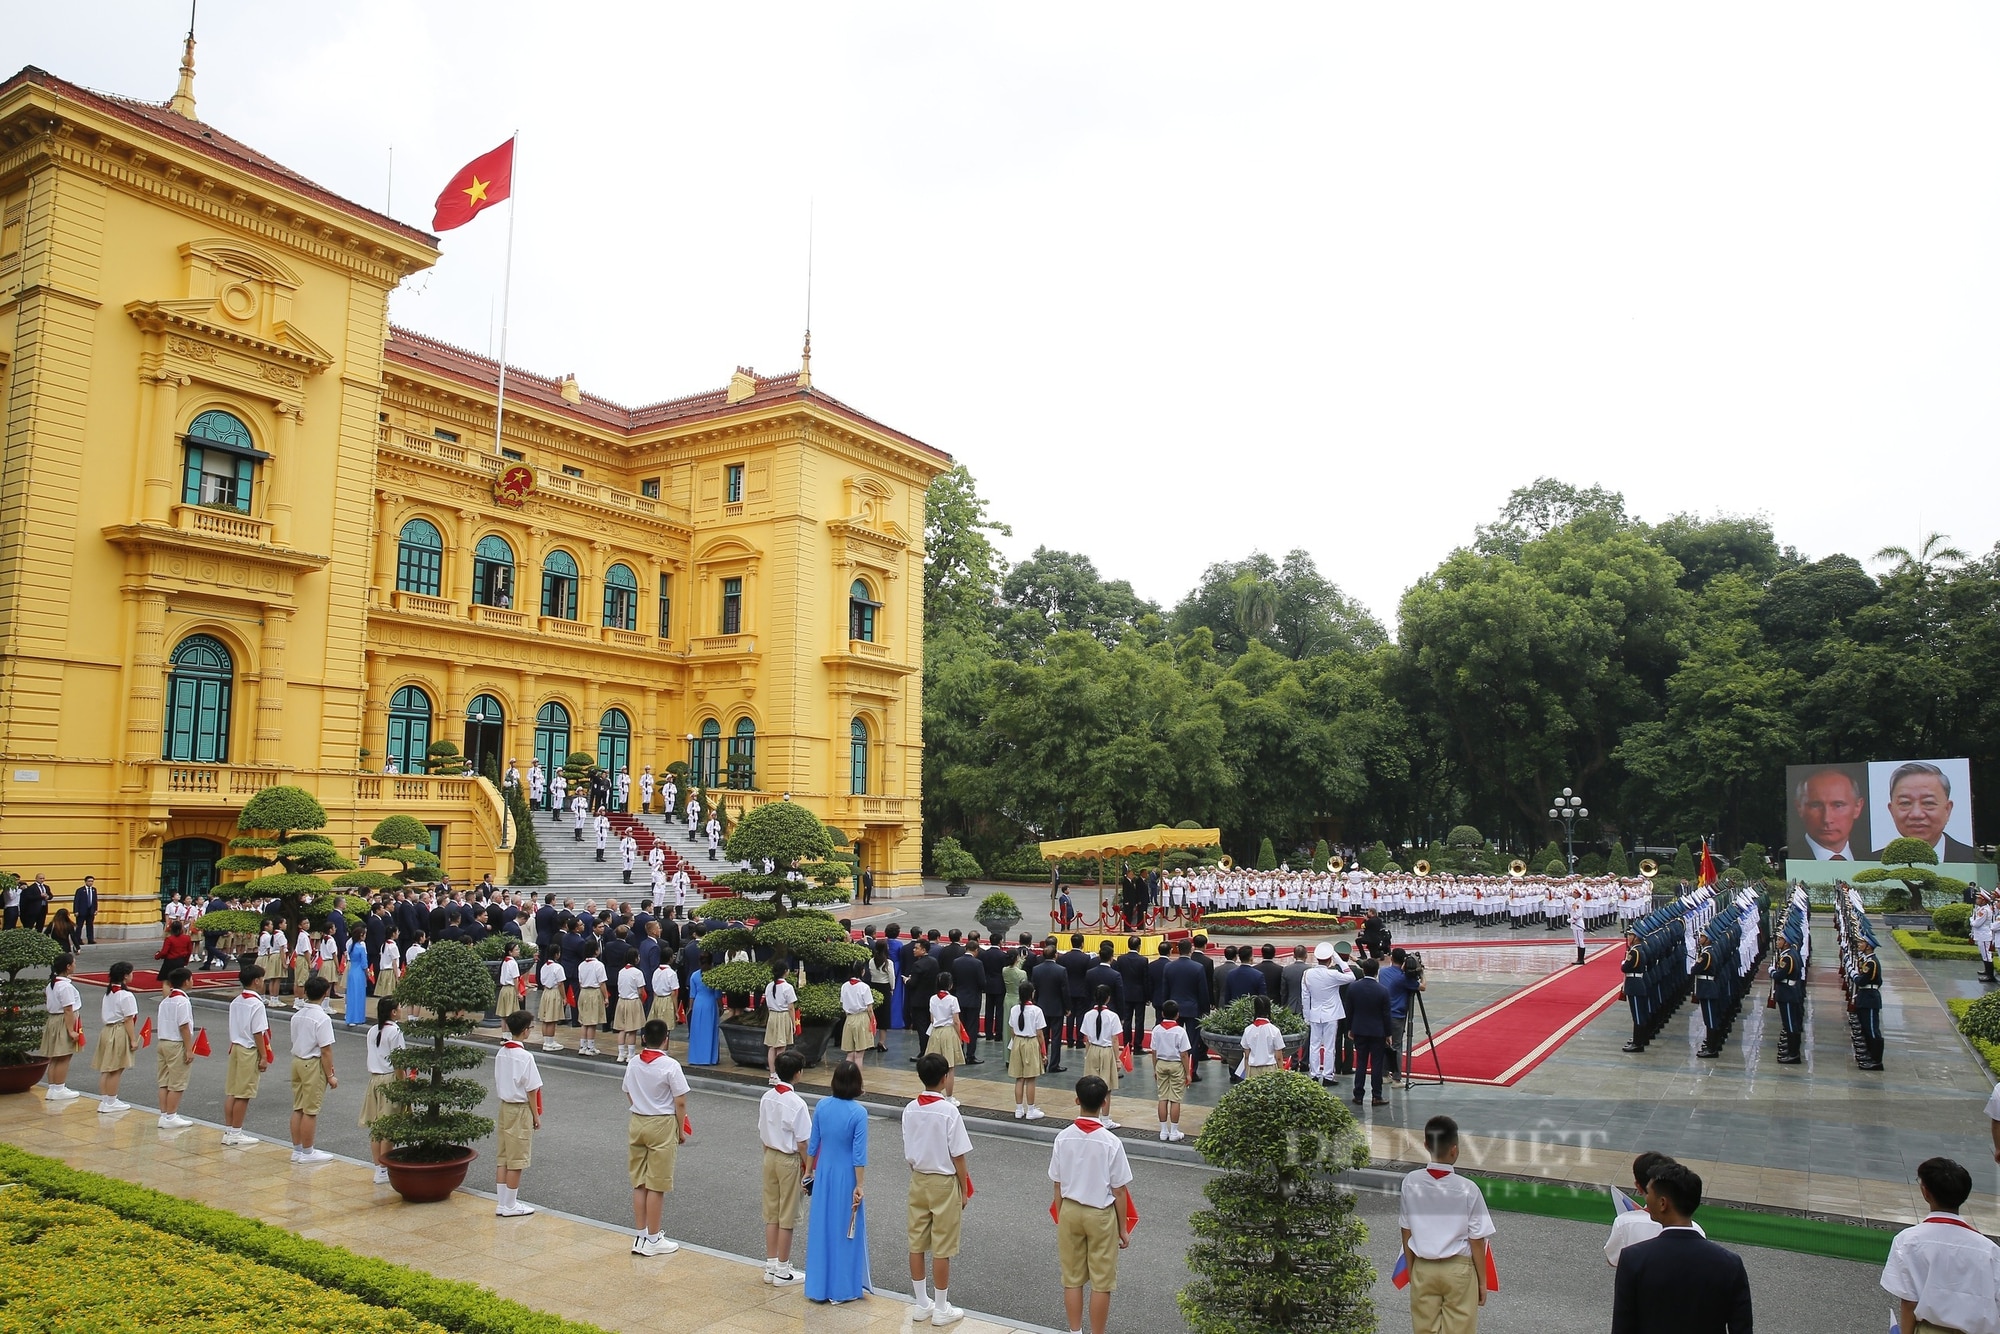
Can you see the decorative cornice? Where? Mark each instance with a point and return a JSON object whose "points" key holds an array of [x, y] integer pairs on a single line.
{"points": [[185, 315]]}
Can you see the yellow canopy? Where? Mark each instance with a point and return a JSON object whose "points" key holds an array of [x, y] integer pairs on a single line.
{"points": [[1124, 845]]}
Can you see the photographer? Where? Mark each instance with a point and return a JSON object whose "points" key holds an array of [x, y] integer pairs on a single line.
{"points": [[1374, 937], [1402, 979]]}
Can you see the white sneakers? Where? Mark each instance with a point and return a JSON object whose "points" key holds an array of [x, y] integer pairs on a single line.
{"points": [[1109, 1124], [552, 1046], [1034, 1114], [236, 1139], [514, 1210], [174, 1121], [944, 1313], [61, 1093], [779, 1273], [1175, 1134], [311, 1157], [112, 1105], [657, 1244]]}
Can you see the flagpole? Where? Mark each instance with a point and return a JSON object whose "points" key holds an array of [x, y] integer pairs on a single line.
{"points": [[506, 289]]}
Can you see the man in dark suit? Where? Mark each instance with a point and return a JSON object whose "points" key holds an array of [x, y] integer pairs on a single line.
{"points": [[1104, 973], [1185, 982], [1156, 976], [1920, 804], [547, 918], [1132, 974], [1243, 980], [1679, 1282], [1051, 982], [1078, 964], [34, 903], [951, 950], [917, 996], [968, 985], [1274, 973], [993, 960], [375, 933], [84, 909], [1294, 980], [1368, 1021]]}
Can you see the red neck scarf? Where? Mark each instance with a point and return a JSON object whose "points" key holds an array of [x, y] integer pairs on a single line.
{"points": [[1953, 1219], [1438, 1173], [648, 1056], [1088, 1125], [926, 1099], [1259, 1023], [511, 1046], [781, 1089], [177, 992], [1169, 1023], [246, 995], [943, 992]]}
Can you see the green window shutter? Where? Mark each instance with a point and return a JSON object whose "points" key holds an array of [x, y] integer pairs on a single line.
{"points": [[246, 472], [191, 479]]}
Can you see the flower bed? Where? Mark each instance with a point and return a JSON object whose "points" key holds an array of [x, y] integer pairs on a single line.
{"points": [[380, 1287], [1275, 922], [68, 1265]]}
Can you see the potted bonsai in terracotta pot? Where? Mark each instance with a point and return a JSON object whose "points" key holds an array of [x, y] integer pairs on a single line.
{"points": [[999, 914], [955, 865], [21, 1010], [787, 921], [433, 1127]]}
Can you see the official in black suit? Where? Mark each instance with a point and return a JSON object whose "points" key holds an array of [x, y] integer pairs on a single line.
{"points": [[336, 922], [1051, 982], [993, 960], [1104, 973], [1156, 976], [1185, 982], [1368, 1021], [34, 903], [376, 931], [1132, 972], [1078, 963], [84, 908], [922, 986], [968, 984], [547, 919], [1679, 1282]]}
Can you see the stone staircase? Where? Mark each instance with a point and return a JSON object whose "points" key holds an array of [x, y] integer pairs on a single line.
{"points": [[575, 870]]}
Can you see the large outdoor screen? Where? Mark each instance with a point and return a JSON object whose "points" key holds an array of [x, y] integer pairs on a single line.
{"points": [[1839, 817]]}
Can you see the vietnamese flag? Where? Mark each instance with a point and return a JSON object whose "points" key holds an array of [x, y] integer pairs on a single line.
{"points": [[479, 185], [1706, 875]]}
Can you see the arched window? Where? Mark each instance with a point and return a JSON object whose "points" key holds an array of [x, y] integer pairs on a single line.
{"points": [[857, 757], [743, 756], [552, 737], [221, 462], [559, 585], [614, 742], [861, 609], [419, 558], [705, 754], [485, 732], [621, 598], [409, 730], [198, 686], [493, 572]]}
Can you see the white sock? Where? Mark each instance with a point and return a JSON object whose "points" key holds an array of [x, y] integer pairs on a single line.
{"points": [[923, 1298], [507, 1197], [941, 1301]]}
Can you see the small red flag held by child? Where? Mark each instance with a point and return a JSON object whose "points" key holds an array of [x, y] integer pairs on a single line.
{"points": [[201, 1047], [146, 1033]]}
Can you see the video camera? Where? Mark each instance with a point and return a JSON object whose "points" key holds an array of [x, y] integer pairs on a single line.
{"points": [[1413, 965]]}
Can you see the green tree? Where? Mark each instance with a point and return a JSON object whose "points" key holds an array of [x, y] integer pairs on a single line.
{"points": [[1280, 1246], [953, 863], [1617, 862], [1054, 591], [434, 1118], [1321, 855], [962, 569], [1302, 614], [442, 757], [1684, 866], [1909, 862], [530, 867], [402, 839], [788, 921], [1267, 856], [280, 842]]}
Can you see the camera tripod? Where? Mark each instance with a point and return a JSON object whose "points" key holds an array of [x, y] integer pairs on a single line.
{"points": [[1410, 1020]]}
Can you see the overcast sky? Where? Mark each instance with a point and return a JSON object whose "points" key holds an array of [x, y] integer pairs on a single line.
{"points": [[1177, 282]]}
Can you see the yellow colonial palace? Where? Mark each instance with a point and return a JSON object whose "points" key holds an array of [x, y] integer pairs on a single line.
{"points": [[251, 534]]}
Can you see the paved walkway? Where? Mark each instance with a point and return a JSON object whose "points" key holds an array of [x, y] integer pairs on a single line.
{"points": [[553, 1262]]}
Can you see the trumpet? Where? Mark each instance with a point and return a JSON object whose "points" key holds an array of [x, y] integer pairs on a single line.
{"points": [[1648, 867], [1422, 867], [1336, 864], [1517, 868]]}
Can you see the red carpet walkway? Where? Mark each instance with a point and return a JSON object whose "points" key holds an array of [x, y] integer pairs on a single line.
{"points": [[1500, 1044]]}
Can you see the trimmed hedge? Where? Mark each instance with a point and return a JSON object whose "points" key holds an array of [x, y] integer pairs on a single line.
{"points": [[1971, 1028], [69, 1265], [1952, 919], [1931, 945], [446, 1302]]}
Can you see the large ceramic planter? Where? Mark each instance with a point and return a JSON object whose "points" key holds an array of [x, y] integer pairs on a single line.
{"points": [[1228, 1047], [812, 1041], [20, 1078], [999, 928], [958, 889], [746, 1043], [427, 1183]]}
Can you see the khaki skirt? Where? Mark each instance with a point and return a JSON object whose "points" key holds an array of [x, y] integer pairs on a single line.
{"points": [[590, 1007], [1024, 1058], [631, 1015], [1102, 1062], [58, 1039], [506, 1002], [272, 964], [857, 1032], [114, 1049], [550, 1008], [944, 1042], [663, 1010], [778, 1029], [385, 981], [374, 1103]]}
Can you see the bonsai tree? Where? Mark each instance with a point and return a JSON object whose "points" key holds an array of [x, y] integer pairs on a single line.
{"points": [[1267, 856], [1908, 861], [577, 770], [443, 758], [793, 840], [433, 1120], [287, 855], [954, 864], [396, 840], [1279, 1248], [21, 1011]]}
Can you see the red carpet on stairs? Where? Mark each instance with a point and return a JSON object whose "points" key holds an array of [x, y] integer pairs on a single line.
{"points": [[1500, 1044]]}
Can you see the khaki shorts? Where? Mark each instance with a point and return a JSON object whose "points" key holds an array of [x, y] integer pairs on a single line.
{"points": [[514, 1137], [936, 1208], [173, 1060], [652, 1142], [1170, 1078], [308, 1085], [782, 1175], [1087, 1246], [241, 1079]]}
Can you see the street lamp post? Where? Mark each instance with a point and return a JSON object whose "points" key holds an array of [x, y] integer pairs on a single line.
{"points": [[1569, 809]]}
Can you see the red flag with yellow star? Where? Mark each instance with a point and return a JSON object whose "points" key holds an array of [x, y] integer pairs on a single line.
{"points": [[479, 185]]}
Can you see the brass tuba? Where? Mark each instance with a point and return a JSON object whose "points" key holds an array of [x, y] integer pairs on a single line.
{"points": [[1226, 862], [1422, 867], [1517, 868], [1648, 867], [1335, 864]]}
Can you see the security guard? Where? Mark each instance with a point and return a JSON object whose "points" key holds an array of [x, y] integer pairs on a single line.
{"points": [[1788, 987], [1711, 990], [1866, 989]]}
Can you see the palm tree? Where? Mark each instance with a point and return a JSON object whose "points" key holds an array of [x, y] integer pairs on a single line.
{"points": [[1256, 608], [1925, 561]]}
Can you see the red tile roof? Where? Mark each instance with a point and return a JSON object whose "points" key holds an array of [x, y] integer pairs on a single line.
{"points": [[545, 392], [209, 142]]}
